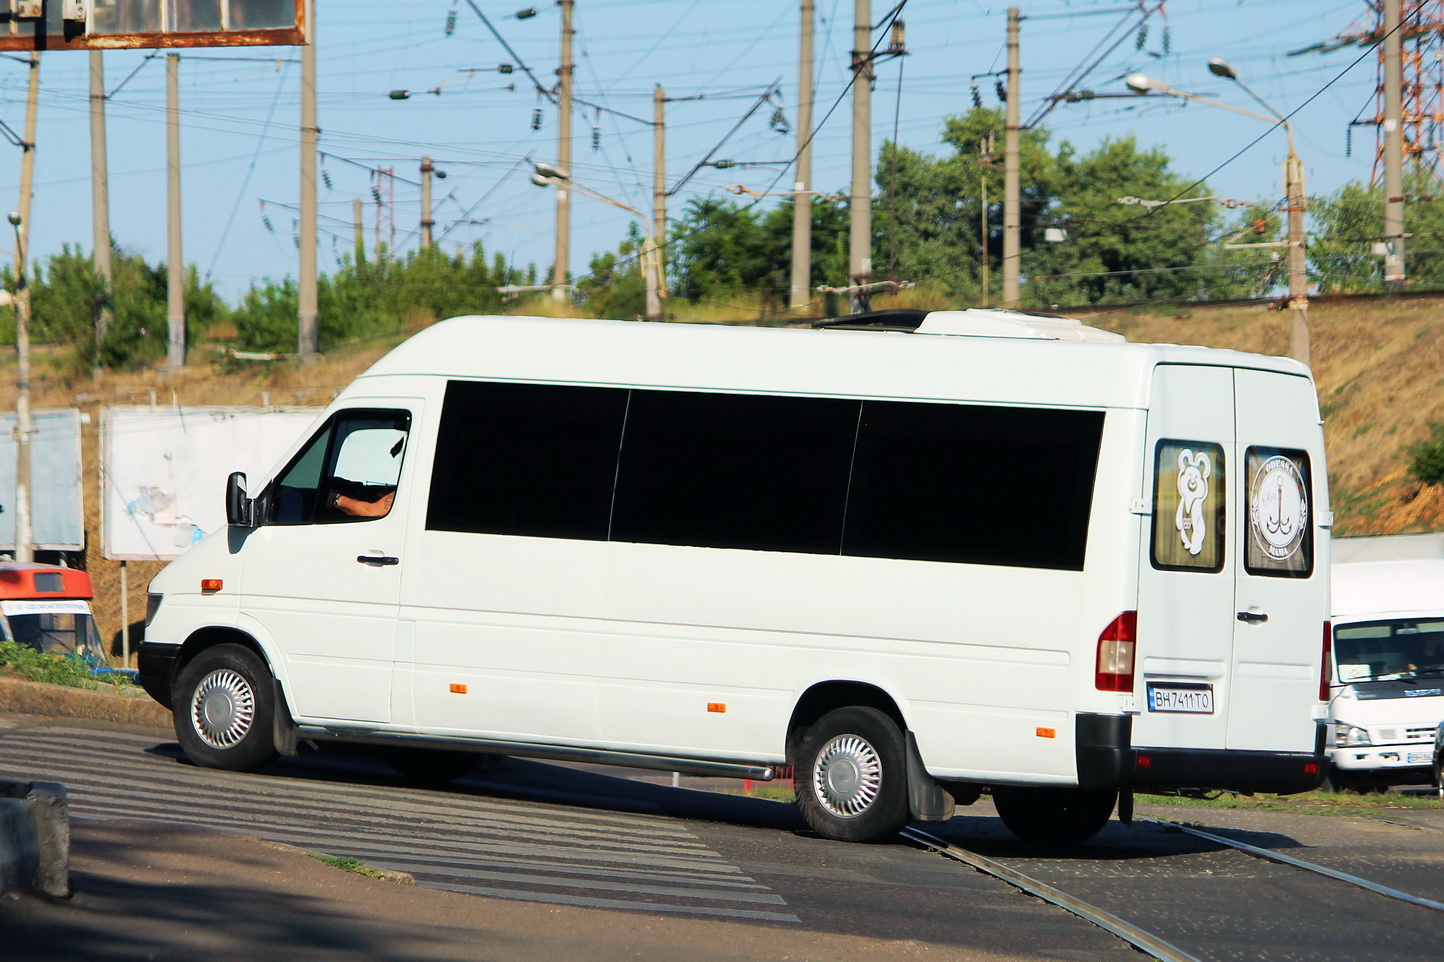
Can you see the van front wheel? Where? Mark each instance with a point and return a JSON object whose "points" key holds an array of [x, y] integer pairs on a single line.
{"points": [[224, 706], [852, 776], [1054, 816]]}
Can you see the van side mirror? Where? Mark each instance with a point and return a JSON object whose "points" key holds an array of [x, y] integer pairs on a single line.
{"points": [[240, 510]]}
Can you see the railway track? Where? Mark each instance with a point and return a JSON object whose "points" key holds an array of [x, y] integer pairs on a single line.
{"points": [[1141, 934]]}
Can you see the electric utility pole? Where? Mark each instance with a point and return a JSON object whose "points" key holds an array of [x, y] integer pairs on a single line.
{"points": [[564, 154], [100, 203], [659, 198], [308, 335], [175, 262], [1012, 189], [427, 222], [802, 186], [1394, 269], [859, 262], [24, 542]]}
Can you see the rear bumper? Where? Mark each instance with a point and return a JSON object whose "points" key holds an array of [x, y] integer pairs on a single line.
{"points": [[1108, 759], [157, 665]]}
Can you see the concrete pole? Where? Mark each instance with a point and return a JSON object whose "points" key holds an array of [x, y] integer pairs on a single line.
{"points": [[859, 261], [564, 154], [24, 541], [308, 335], [1012, 187], [659, 196], [426, 219], [360, 230], [100, 203], [802, 186], [983, 226], [1298, 272], [175, 261], [1394, 268]]}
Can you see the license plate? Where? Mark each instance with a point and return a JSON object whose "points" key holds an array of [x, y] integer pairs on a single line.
{"points": [[1420, 758], [1188, 699]]}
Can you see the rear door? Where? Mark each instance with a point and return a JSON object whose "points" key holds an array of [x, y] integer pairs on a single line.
{"points": [[1186, 575], [1282, 584]]}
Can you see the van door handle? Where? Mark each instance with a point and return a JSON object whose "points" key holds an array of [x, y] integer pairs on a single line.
{"points": [[1252, 617], [380, 560]]}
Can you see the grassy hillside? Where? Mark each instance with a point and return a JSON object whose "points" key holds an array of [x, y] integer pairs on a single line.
{"points": [[1379, 368]]}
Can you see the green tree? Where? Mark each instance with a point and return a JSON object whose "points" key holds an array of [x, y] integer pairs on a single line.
{"points": [[1350, 222], [929, 226], [1120, 251]]}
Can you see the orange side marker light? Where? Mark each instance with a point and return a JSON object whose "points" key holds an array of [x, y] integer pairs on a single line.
{"points": [[1046, 732], [458, 689], [717, 706], [211, 584]]}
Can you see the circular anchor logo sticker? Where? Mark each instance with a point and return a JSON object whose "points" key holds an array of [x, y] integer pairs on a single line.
{"points": [[1280, 508]]}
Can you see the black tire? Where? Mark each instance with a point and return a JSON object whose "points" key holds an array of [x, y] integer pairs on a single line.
{"points": [[851, 776], [432, 766], [225, 708], [1337, 781], [1439, 772], [1054, 816]]}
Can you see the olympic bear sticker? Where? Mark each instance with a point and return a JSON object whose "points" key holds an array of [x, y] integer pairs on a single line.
{"points": [[1193, 471]]}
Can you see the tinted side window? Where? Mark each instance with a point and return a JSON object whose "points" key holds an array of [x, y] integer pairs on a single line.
{"points": [[526, 459], [735, 471], [981, 485]]}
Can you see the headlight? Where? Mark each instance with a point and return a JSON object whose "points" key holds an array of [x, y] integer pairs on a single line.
{"points": [[1350, 736], [152, 604]]}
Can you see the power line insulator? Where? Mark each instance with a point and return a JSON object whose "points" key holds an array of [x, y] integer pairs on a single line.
{"points": [[596, 138], [451, 20], [536, 119], [977, 97], [1001, 90], [779, 122], [1167, 40], [1142, 36]]}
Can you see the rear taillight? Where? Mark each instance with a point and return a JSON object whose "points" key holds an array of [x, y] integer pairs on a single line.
{"points": [[1114, 671], [1326, 664]]}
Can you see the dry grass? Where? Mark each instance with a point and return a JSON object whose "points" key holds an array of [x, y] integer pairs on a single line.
{"points": [[1380, 373]]}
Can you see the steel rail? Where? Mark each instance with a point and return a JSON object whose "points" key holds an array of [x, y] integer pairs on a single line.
{"points": [[1282, 859], [1128, 932]]}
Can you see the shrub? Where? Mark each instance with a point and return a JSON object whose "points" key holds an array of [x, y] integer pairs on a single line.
{"points": [[1426, 458]]}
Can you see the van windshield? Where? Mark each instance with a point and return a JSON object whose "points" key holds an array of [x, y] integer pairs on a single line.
{"points": [[1389, 650]]}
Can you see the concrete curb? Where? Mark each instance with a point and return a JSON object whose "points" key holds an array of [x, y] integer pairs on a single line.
{"points": [[34, 698], [34, 838]]}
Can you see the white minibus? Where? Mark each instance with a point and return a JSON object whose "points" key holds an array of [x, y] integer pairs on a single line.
{"points": [[915, 555]]}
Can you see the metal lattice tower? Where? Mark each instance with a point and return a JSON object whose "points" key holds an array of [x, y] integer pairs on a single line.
{"points": [[383, 191], [1422, 82]]}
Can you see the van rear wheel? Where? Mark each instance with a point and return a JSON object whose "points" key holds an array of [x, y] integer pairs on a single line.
{"points": [[1054, 816], [852, 776], [224, 709]]}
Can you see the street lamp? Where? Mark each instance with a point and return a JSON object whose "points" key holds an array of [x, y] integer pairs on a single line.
{"points": [[549, 175], [1293, 193]]}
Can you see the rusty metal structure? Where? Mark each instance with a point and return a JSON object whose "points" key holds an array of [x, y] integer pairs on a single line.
{"points": [[28, 25], [1422, 25]]}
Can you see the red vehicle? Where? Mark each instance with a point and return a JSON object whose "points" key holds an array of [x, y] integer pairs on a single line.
{"points": [[47, 608]]}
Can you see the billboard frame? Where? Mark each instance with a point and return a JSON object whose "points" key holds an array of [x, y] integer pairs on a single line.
{"points": [[22, 34]]}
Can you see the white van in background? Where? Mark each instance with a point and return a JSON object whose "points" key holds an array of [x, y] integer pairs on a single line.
{"points": [[1387, 695], [917, 556]]}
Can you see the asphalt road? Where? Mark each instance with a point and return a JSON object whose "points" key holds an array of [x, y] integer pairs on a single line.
{"points": [[566, 837]]}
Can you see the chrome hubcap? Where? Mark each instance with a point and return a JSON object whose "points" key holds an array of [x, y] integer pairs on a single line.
{"points": [[223, 708], [848, 775]]}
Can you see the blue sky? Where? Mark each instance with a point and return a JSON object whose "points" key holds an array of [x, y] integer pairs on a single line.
{"points": [[240, 113]]}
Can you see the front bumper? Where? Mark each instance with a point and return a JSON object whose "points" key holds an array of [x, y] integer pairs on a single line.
{"points": [[1108, 759], [1384, 758], [157, 670]]}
